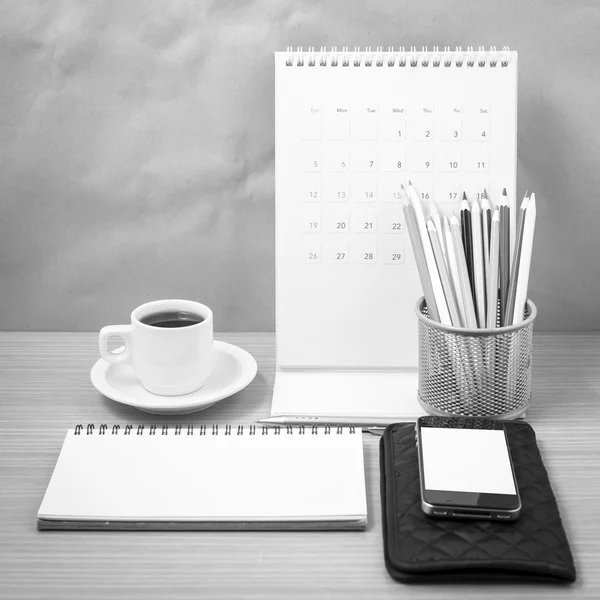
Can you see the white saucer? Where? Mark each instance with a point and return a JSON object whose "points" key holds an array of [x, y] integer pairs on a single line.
{"points": [[233, 370]]}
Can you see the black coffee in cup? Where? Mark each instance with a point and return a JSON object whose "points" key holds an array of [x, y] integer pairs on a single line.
{"points": [[172, 318]]}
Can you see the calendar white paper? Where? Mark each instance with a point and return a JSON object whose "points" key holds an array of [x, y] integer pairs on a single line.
{"points": [[351, 128]]}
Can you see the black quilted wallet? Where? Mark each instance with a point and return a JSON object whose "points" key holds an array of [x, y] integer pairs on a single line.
{"points": [[418, 548]]}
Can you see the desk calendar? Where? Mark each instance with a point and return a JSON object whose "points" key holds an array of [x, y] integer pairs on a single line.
{"points": [[351, 129]]}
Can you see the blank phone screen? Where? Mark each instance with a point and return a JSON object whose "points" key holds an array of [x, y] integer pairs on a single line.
{"points": [[466, 460]]}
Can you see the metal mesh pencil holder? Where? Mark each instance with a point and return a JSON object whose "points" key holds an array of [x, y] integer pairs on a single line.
{"points": [[475, 372]]}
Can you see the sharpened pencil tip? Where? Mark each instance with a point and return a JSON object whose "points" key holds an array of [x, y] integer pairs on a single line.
{"points": [[464, 195], [504, 192], [401, 186]]}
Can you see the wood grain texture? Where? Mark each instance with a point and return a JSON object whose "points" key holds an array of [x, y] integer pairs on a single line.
{"points": [[45, 388]]}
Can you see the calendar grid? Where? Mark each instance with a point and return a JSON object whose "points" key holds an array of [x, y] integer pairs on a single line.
{"points": [[348, 139]]}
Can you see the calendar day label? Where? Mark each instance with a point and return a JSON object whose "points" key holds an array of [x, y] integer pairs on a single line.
{"points": [[364, 122], [421, 158], [392, 219], [336, 157], [421, 129], [364, 220], [424, 188], [451, 130], [476, 159], [390, 190], [393, 251], [477, 128], [310, 251], [449, 159], [337, 121], [336, 190], [336, 220], [393, 157], [364, 250], [452, 110], [477, 189], [311, 122], [310, 157], [364, 157], [422, 110], [393, 123], [393, 109], [448, 190], [336, 251], [310, 220], [308, 188], [363, 188], [393, 128]]}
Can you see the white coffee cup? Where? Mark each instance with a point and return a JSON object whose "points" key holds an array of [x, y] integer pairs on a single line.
{"points": [[168, 361]]}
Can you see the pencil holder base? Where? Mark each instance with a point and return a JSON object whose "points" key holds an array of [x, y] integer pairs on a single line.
{"points": [[507, 416]]}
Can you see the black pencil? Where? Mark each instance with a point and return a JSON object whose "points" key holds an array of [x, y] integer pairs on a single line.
{"points": [[486, 233], [465, 221], [504, 275], [487, 214]]}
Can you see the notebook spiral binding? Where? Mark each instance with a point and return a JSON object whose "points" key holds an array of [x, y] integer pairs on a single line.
{"points": [[401, 57], [214, 429]]}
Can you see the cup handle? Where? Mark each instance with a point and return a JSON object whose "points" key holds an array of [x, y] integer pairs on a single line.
{"points": [[112, 358]]}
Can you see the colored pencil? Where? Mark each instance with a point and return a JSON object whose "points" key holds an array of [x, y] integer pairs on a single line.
{"points": [[478, 273], [486, 221], [434, 215], [505, 253], [463, 275], [436, 245], [524, 264], [492, 279], [465, 221], [453, 270], [417, 246], [436, 283], [514, 271]]}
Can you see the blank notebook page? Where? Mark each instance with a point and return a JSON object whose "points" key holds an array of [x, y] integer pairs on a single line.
{"points": [[270, 477]]}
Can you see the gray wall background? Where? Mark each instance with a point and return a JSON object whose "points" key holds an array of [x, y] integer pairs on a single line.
{"points": [[137, 154]]}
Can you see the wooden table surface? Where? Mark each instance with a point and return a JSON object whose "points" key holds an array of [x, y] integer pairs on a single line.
{"points": [[45, 388]]}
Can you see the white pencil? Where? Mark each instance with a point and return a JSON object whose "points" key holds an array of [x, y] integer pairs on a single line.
{"points": [[525, 261], [434, 215], [493, 271], [434, 276], [463, 273], [478, 275], [417, 246], [453, 270], [436, 246]]}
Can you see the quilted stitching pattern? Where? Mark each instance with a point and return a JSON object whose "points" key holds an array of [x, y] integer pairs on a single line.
{"points": [[534, 546]]}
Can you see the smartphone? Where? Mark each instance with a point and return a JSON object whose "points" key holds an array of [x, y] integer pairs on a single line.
{"points": [[466, 469]]}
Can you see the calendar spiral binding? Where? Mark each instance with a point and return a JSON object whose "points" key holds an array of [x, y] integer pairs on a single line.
{"points": [[401, 57], [213, 429]]}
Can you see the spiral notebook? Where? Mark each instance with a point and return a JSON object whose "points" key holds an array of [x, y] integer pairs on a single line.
{"points": [[215, 477], [352, 127]]}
